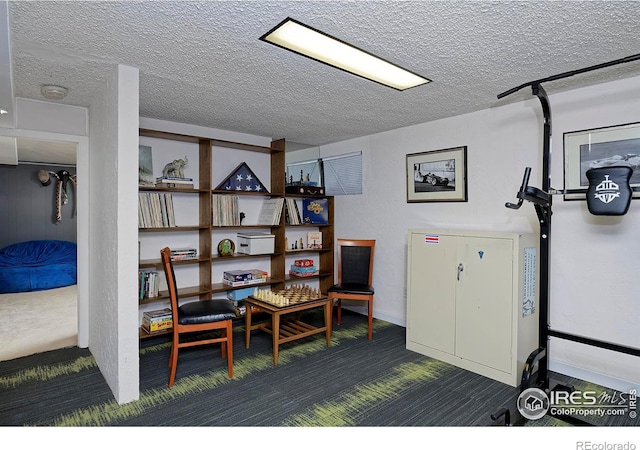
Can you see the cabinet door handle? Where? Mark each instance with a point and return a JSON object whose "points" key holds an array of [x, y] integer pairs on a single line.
{"points": [[460, 269]]}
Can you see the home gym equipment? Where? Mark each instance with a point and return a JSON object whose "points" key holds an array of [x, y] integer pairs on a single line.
{"points": [[609, 193]]}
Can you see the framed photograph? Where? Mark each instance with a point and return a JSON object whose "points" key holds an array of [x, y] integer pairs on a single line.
{"points": [[145, 171], [437, 176], [599, 147]]}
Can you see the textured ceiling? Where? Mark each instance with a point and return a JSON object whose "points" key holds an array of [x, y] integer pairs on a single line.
{"points": [[203, 63]]}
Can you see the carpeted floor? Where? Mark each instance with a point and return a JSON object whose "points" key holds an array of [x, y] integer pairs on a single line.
{"points": [[53, 326], [355, 382]]}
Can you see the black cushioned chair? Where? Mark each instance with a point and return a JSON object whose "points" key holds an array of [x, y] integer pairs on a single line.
{"points": [[355, 274], [197, 316], [609, 192]]}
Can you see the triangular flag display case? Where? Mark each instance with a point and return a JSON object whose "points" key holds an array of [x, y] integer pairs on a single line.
{"points": [[242, 179], [206, 269]]}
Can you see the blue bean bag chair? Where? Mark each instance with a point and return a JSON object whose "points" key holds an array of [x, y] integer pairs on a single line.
{"points": [[37, 265]]}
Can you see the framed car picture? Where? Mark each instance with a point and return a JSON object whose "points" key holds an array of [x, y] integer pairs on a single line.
{"points": [[599, 147], [437, 176]]}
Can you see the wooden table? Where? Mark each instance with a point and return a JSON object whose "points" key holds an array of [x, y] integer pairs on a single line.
{"points": [[286, 329]]}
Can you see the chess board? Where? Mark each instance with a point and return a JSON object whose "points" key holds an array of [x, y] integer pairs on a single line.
{"points": [[294, 295]]}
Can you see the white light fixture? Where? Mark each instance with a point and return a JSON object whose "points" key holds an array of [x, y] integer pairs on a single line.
{"points": [[51, 92], [3, 112], [304, 40]]}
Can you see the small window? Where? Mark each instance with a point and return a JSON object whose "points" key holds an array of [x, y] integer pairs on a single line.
{"points": [[340, 175], [343, 174]]}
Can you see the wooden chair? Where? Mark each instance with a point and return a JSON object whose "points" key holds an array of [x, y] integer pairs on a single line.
{"points": [[197, 316], [355, 273]]}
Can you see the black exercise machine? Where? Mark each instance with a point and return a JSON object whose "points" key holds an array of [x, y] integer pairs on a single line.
{"points": [[609, 193]]}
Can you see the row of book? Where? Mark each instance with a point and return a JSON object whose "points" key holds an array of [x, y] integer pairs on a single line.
{"points": [[292, 214], [155, 210], [148, 284], [271, 211], [226, 211], [314, 211]]}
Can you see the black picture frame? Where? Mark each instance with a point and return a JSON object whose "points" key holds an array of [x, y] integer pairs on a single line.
{"points": [[599, 147], [437, 176]]}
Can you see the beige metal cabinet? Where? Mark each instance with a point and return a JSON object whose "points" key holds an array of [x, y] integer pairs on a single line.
{"points": [[472, 299]]}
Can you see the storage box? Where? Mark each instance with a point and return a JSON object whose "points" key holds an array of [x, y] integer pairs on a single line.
{"points": [[306, 269], [245, 275], [240, 294], [303, 262], [255, 243], [157, 321]]}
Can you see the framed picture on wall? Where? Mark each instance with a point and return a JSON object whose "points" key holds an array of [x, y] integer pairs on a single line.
{"points": [[437, 176], [599, 147]]}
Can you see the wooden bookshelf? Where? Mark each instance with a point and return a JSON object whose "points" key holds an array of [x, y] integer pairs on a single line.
{"points": [[207, 253]]}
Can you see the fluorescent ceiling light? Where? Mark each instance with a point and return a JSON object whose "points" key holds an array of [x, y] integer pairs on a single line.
{"points": [[304, 40]]}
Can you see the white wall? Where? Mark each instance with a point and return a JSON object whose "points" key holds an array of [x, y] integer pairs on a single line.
{"points": [[594, 260], [113, 167]]}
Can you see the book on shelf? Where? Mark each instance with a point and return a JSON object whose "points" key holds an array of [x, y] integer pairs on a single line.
{"points": [[271, 211], [155, 210], [314, 239], [175, 185], [182, 180], [225, 210], [175, 182], [315, 210], [180, 254], [148, 284], [292, 212]]}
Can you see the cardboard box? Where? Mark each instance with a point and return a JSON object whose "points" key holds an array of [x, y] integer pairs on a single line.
{"points": [[245, 275], [303, 262], [240, 294], [306, 269], [255, 243], [303, 274]]}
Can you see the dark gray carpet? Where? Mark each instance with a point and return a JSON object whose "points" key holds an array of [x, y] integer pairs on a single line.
{"points": [[355, 382]]}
